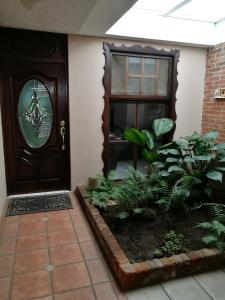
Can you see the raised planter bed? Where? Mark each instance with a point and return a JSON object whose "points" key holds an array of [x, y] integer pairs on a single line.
{"points": [[131, 275]]}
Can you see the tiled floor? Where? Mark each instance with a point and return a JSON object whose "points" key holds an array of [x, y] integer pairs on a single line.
{"points": [[54, 255]]}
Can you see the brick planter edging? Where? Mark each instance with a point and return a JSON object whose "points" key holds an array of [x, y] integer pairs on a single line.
{"points": [[131, 275]]}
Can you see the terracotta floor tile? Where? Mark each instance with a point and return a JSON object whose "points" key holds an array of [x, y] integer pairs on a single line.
{"points": [[12, 219], [59, 224], [70, 277], [31, 261], [104, 291], [57, 214], [11, 229], [89, 250], [7, 245], [6, 264], [29, 228], [28, 242], [4, 288], [33, 217], [31, 285], [97, 271], [83, 234], [62, 255], [63, 237], [78, 294]]}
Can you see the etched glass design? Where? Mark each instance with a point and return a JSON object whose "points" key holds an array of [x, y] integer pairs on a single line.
{"points": [[35, 113]]}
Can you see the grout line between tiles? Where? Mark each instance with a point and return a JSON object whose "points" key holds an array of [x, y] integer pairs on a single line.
{"points": [[202, 287]]}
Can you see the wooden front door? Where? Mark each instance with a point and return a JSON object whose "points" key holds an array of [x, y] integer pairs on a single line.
{"points": [[34, 105]]}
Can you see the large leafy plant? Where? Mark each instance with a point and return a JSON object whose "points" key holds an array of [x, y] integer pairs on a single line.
{"points": [[147, 139], [197, 156]]}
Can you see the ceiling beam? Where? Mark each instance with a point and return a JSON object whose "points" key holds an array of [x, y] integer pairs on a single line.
{"points": [[167, 14]]}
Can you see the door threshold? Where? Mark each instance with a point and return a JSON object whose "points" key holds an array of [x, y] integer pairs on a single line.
{"points": [[38, 194]]}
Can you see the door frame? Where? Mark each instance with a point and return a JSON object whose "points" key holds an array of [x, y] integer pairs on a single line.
{"points": [[7, 55]]}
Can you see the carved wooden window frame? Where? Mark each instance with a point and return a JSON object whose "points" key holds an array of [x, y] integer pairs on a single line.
{"points": [[170, 99]]}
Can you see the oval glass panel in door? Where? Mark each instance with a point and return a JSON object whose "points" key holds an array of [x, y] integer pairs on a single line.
{"points": [[35, 113]]}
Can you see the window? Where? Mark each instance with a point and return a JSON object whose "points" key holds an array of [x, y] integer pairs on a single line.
{"points": [[140, 86]]}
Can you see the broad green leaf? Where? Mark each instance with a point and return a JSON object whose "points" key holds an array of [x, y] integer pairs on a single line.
{"points": [[159, 164], [172, 159], [138, 210], [220, 169], [211, 135], [150, 156], [214, 175], [135, 136], [203, 157], [162, 126], [169, 151], [164, 173], [149, 139], [175, 168], [222, 159], [182, 143], [220, 146], [189, 159]]}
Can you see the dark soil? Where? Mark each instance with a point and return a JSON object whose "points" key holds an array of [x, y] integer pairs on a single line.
{"points": [[139, 237]]}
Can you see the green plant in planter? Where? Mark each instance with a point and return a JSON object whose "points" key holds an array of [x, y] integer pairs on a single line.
{"points": [[216, 236], [197, 156], [147, 139], [174, 243], [104, 192], [136, 195]]}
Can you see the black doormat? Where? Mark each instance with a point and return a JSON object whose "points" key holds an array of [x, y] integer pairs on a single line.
{"points": [[35, 204]]}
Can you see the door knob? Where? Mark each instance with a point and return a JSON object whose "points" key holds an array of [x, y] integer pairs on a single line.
{"points": [[63, 132]]}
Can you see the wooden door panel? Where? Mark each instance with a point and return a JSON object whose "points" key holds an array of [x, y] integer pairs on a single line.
{"points": [[29, 168]]}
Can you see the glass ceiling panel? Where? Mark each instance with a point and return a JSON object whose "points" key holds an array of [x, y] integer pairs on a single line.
{"points": [[202, 10], [158, 6]]}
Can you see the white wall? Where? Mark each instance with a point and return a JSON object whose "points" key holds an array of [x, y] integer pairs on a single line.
{"points": [[86, 62]]}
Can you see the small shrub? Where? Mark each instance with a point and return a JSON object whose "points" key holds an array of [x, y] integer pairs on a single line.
{"points": [[174, 243]]}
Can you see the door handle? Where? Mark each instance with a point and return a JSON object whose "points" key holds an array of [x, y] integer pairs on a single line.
{"points": [[63, 132]]}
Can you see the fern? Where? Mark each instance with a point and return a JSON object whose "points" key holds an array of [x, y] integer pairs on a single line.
{"points": [[216, 236]]}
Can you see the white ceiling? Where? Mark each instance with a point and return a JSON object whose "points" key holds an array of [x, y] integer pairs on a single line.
{"points": [[63, 16]]}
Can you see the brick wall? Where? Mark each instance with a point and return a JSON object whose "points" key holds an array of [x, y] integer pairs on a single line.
{"points": [[214, 110]]}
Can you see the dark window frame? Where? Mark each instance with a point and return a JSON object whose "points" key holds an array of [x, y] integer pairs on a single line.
{"points": [[169, 100]]}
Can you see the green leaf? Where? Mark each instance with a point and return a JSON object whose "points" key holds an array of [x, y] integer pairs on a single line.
{"points": [[220, 169], [135, 136], [169, 151], [159, 164], [182, 143], [172, 159], [138, 210], [209, 239], [162, 126], [214, 175], [122, 215], [149, 139], [164, 173], [203, 157], [175, 168], [222, 159], [211, 135], [150, 156]]}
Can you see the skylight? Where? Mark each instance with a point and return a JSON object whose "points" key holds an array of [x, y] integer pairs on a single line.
{"points": [[202, 10], [200, 22]]}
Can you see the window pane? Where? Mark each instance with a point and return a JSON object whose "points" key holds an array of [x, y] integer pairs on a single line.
{"points": [[149, 86], [120, 158], [149, 66], [163, 77], [134, 86], [134, 65], [122, 116], [148, 113], [118, 74]]}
